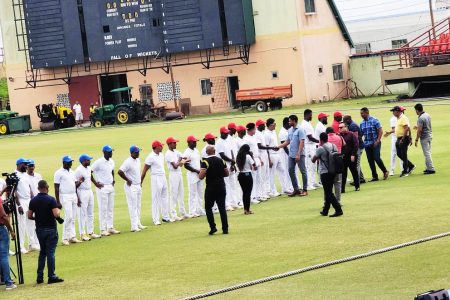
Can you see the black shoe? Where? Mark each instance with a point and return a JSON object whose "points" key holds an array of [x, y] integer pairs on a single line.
{"points": [[166, 220], [412, 168], [429, 172], [362, 181], [225, 232], [55, 280], [404, 174], [373, 179], [337, 214], [357, 189], [324, 213], [39, 280], [212, 231]]}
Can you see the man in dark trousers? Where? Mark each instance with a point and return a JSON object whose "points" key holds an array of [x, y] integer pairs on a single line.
{"points": [[350, 152], [214, 170], [5, 230], [354, 128], [44, 210]]}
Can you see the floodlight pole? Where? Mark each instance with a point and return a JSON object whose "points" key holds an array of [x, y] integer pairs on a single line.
{"points": [[173, 87], [432, 18]]}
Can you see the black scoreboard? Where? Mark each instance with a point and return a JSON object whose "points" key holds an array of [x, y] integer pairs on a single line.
{"points": [[69, 32]]}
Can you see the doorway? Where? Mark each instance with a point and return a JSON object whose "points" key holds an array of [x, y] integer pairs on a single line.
{"points": [[233, 86], [111, 82]]}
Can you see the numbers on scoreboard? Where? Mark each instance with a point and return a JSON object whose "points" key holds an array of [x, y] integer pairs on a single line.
{"points": [[111, 5]]}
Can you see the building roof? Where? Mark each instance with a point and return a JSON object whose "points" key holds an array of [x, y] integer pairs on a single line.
{"points": [[341, 23]]}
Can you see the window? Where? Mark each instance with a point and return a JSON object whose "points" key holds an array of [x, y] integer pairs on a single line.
{"points": [[274, 74], [363, 48], [338, 73], [206, 87], [399, 43], [310, 7]]}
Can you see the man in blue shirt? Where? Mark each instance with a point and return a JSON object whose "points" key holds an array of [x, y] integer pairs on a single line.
{"points": [[296, 143], [372, 132], [44, 210]]}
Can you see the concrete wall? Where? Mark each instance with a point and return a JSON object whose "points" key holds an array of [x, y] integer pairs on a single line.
{"points": [[365, 71]]}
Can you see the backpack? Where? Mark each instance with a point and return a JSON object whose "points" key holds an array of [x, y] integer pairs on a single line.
{"points": [[335, 162]]}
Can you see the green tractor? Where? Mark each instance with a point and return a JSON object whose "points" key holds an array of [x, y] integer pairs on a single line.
{"points": [[11, 122], [123, 113]]}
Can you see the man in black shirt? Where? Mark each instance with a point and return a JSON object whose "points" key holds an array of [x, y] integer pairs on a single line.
{"points": [[44, 210], [214, 170]]}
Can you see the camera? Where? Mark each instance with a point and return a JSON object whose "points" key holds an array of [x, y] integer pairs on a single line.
{"points": [[11, 179], [11, 183]]}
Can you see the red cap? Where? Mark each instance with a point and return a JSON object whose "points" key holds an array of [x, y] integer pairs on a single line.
{"points": [[241, 128], [192, 138], [260, 122], [322, 115], [402, 108], [157, 144], [210, 136], [338, 114], [232, 126], [224, 130], [171, 140]]}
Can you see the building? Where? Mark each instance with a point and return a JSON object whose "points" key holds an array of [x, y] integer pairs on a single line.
{"points": [[303, 43]]}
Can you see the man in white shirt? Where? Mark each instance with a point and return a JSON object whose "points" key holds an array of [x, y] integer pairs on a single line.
{"points": [[210, 140], [33, 176], [233, 140], [321, 125], [85, 195], [240, 139], [283, 136], [78, 114], [277, 166], [225, 151], [310, 149], [66, 195], [250, 140], [195, 185], [24, 194], [393, 124], [160, 201], [265, 159], [175, 162], [103, 171], [130, 171]]}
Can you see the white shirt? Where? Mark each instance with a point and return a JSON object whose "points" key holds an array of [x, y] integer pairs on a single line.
{"points": [[103, 169], [223, 146], [319, 129], [271, 140], [248, 164], [194, 156], [77, 108], [393, 123], [309, 130], [253, 144], [34, 180], [2, 187], [259, 135], [156, 163], [283, 135], [132, 169], [232, 143], [173, 157], [24, 189], [85, 173], [239, 143], [66, 180]]}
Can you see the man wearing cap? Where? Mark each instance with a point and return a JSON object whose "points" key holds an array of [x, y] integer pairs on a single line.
{"points": [[250, 140], [236, 191], [33, 176], [271, 141], [284, 155], [83, 174], [321, 125], [402, 133], [240, 139], [130, 171], [24, 194], [337, 120], [372, 132], [210, 140], [195, 185], [393, 123], [103, 171], [425, 134], [66, 186], [310, 148], [175, 162], [224, 149], [160, 200], [266, 161]]}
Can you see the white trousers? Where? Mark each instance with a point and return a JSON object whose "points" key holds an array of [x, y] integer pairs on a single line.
{"points": [[176, 194], [134, 195], [195, 191], [160, 201], [86, 211], [311, 168], [278, 168], [69, 205], [257, 191], [394, 154], [232, 198], [286, 178], [27, 227], [265, 173], [105, 197]]}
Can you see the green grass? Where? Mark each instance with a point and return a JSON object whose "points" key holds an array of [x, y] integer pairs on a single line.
{"points": [[3, 88], [177, 260]]}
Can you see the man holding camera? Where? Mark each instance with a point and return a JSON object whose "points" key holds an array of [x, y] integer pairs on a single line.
{"points": [[5, 231], [44, 210]]}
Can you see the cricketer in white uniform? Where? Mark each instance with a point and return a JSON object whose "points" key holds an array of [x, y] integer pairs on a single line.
{"points": [[251, 141], [225, 151], [210, 140], [240, 139], [278, 168], [195, 185], [265, 160], [130, 171], [175, 162], [66, 195], [283, 136], [236, 191], [33, 176], [310, 149], [103, 171], [24, 193], [83, 174], [160, 201], [320, 126]]}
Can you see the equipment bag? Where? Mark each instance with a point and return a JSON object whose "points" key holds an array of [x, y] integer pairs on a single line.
{"points": [[335, 162], [433, 295]]}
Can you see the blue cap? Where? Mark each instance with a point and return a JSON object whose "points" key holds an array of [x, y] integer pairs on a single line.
{"points": [[31, 162], [67, 159], [134, 149], [107, 148], [21, 161], [84, 157]]}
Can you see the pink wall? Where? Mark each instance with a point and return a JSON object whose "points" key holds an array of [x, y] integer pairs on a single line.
{"points": [[84, 90]]}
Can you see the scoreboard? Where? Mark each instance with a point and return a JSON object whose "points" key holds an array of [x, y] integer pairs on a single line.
{"points": [[69, 32]]}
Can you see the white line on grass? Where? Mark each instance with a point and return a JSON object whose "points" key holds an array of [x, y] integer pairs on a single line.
{"points": [[316, 267]]}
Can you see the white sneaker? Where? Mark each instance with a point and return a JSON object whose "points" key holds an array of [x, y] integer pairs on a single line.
{"points": [[75, 241], [391, 173], [187, 216], [135, 230], [105, 233], [95, 236], [11, 287], [275, 195], [12, 253], [140, 226], [229, 208], [317, 185], [113, 231], [195, 215], [157, 223], [263, 199], [85, 238], [65, 243], [35, 248], [255, 201], [23, 250], [311, 188], [177, 218]]}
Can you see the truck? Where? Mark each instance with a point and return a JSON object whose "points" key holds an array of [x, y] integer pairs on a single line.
{"points": [[12, 122], [264, 98]]}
